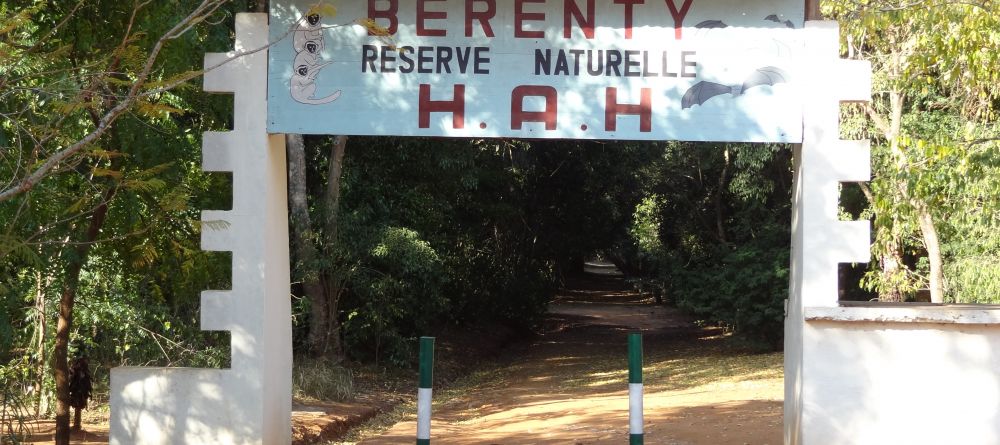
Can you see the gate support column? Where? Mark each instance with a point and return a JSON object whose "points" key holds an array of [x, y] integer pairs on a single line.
{"points": [[820, 241], [251, 402]]}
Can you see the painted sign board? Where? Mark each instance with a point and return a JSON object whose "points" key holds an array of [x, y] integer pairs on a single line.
{"points": [[699, 70]]}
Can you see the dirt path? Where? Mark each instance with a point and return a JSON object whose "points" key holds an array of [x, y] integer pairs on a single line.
{"points": [[570, 386]]}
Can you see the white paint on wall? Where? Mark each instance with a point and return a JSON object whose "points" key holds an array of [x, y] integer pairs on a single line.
{"points": [[820, 241], [870, 375], [901, 383], [251, 402], [913, 314]]}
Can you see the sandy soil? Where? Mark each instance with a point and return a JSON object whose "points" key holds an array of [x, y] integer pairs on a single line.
{"points": [[570, 386], [311, 423], [94, 432]]}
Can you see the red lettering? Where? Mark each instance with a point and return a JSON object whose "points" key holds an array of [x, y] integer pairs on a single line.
{"points": [[520, 17], [456, 107], [423, 15], [613, 109], [517, 114], [389, 14], [572, 10], [679, 16], [483, 16], [628, 14]]}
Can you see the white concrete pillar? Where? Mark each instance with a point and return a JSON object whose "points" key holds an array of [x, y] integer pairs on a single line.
{"points": [[820, 241], [251, 402]]}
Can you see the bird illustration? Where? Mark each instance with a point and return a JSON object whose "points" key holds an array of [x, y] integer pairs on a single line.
{"points": [[774, 18], [702, 91]]}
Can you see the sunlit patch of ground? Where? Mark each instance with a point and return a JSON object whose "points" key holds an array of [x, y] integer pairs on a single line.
{"points": [[94, 431], [570, 386]]}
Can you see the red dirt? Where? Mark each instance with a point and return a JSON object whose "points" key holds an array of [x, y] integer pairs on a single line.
{"points": [[570, 386], [312, 423], [94, 432]]}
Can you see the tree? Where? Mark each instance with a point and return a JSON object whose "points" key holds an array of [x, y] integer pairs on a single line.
{"points": [[72, 75], [721, 218], [932, 59], [315, 249]]}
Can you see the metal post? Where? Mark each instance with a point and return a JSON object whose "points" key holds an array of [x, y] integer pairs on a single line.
{"points": [[636, 435], [424, 393]]}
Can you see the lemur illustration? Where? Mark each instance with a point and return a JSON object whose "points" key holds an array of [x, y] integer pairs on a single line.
{"points": [[308, 42], [304, 85], [310, 56], [309, 30]]}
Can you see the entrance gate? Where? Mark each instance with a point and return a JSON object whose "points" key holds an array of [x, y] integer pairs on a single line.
{"points": [[751, 71]]}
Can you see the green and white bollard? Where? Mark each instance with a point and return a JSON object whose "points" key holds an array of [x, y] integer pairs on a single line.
{"points": [[635, 420], [425, 393]]}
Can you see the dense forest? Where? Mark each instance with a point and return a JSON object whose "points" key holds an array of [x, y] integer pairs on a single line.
{"points": [[101, 117]]}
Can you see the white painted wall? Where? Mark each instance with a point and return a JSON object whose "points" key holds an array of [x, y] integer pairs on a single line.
{"points": [[870, 375], [907, 383], [819, 240], [251, 402]]}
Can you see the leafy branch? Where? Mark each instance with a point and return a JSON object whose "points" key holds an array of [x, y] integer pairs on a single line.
{"points": [[142, 88]]}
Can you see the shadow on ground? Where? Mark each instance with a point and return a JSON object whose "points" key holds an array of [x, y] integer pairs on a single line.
{"points": [[569, 386]]}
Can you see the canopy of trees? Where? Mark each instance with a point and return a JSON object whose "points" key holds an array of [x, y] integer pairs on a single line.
{"points": [[100, 193]]}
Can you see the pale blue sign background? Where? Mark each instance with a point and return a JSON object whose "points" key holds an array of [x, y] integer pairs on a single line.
{"points": [[317, 84]]}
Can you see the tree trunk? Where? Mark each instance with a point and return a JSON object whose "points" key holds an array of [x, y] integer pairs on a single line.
{"points": [[322, 288], [303, 244], [332, 200], [40, 348], [334, 283], [933, 246], [720, 223], [926, 223], [60, 359], [892, 264]]}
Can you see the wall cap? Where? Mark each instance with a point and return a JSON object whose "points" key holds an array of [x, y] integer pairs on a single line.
{"points": [[906, 313]]}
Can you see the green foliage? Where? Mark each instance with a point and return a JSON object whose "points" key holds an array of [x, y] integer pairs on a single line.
{"points": [[15, 410], [458, 231], [742, 287], [62, 65], [934, 133], [646, 225], [721, 221], [943, 45], [396, 294]]}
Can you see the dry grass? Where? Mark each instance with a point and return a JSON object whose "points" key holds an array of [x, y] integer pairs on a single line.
{"points": [[322, 380], [707, 361]]}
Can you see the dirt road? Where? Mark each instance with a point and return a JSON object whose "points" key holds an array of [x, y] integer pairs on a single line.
{"points": [[570, 385]]}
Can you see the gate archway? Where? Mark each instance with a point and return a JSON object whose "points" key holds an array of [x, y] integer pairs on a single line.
{"points": [[251, 402]]}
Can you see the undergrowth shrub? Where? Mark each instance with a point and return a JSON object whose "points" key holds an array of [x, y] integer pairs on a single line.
{"points": [[322, 380]]}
